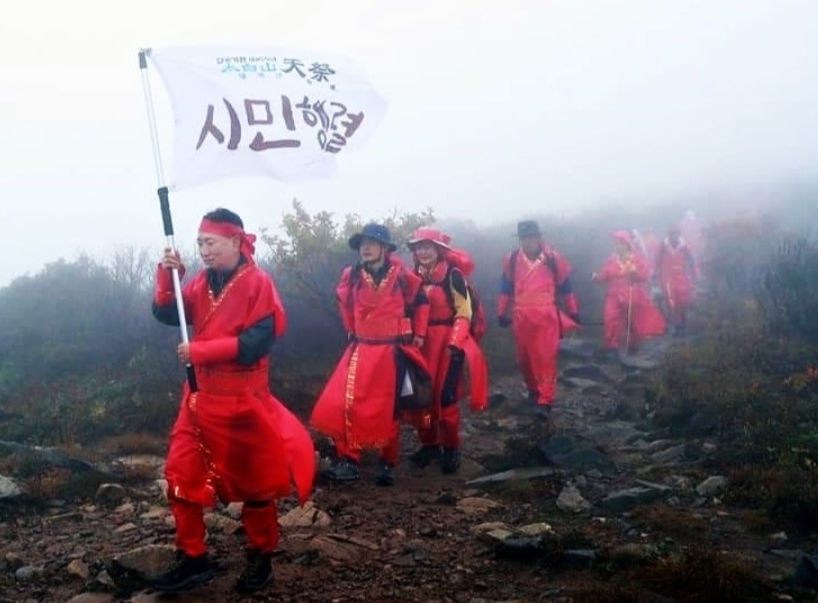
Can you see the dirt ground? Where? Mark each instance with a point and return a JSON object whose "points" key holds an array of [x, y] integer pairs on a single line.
{"points": [[634, 521]]}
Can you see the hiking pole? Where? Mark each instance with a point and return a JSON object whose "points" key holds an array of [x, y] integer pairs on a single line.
{"points": [[630, 313]]}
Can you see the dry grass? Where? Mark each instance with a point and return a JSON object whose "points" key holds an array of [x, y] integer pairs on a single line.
{"points": [[704, 576], [609, 593], [51, 484], [757, 521], [61, 484], [786, 495], [135, 443], [680, 524]]}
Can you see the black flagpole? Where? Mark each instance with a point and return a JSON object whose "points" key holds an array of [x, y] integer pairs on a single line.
{"points": [[164, 205]]}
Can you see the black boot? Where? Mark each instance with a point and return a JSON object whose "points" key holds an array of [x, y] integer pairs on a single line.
{"points": [[681, 329], [187, 573], [257, 574], [451, 460], [543, 412], [345, 470], [386, 474], [425, 455]]}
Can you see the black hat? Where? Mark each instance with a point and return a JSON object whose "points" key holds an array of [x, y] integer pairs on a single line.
{"points": [[528, 228], [377, 232]]}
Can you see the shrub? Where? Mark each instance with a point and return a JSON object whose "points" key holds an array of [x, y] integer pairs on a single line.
{"points": [[750, 380]]}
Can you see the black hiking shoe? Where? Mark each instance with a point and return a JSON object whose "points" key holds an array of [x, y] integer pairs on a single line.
{"points": [[543, 412], [386, 474], [451, 460], [345, 470], [425, 455], [257, 574], [186, 574]]}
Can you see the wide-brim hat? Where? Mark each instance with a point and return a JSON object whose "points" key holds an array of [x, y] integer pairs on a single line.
{"points": [[432, 235], [528, 228], [376, 232]]}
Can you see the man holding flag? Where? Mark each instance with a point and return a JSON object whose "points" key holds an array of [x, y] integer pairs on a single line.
{"points": [[251, 111], [232, 438]]}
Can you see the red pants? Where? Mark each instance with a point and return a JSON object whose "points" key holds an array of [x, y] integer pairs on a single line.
{"points": [[388, 453], [445, 432], [260, 522], [537, 349], [679, 301], [616, 323]]}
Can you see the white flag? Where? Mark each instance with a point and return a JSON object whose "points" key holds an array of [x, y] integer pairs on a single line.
{"points": [[263, 111]]}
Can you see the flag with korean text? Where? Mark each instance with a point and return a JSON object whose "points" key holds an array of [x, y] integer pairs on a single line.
{"points": [[263, 111]]}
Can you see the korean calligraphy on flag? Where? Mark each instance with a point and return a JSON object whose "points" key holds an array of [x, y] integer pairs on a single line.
{"points": [[263, 111]]}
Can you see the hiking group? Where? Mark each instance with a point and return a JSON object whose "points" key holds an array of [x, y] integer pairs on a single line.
{"points": [[412, 355]]}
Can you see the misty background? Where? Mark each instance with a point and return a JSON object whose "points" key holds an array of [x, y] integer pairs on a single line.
{"points": [[497, 112], [588, 115]]}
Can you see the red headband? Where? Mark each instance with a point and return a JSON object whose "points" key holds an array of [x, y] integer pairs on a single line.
{"points": [[225, 229]]}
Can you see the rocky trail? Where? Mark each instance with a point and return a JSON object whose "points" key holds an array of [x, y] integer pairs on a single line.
{"points": [[595, 505]]}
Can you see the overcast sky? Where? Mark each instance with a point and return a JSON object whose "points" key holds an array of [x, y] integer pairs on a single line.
{"points": [[521, 105]]}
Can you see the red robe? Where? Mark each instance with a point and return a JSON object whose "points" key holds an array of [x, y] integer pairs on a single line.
{"points": [[232, 438], [449, 326], [627, 301], [537, 321], [676, 269], [357, 407]]}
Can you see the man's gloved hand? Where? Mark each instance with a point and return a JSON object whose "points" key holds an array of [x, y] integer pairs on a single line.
{"points": [[456, 352], [503, 322]]}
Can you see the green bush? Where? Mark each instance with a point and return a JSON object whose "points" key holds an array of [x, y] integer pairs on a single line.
{"points": [[306, 261]]}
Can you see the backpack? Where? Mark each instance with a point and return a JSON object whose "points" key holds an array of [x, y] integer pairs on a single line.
{"points": [[477, 326], [551, 262]]}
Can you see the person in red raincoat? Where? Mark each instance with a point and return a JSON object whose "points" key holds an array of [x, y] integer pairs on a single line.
{"points": [[382, 372], [232, 439], [534, 278], [651, 244], [691, 231], [629, 312], [449, 345], [676, 273]]}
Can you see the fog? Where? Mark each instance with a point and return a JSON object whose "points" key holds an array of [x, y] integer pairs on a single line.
{"points": [[495, 113]]}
